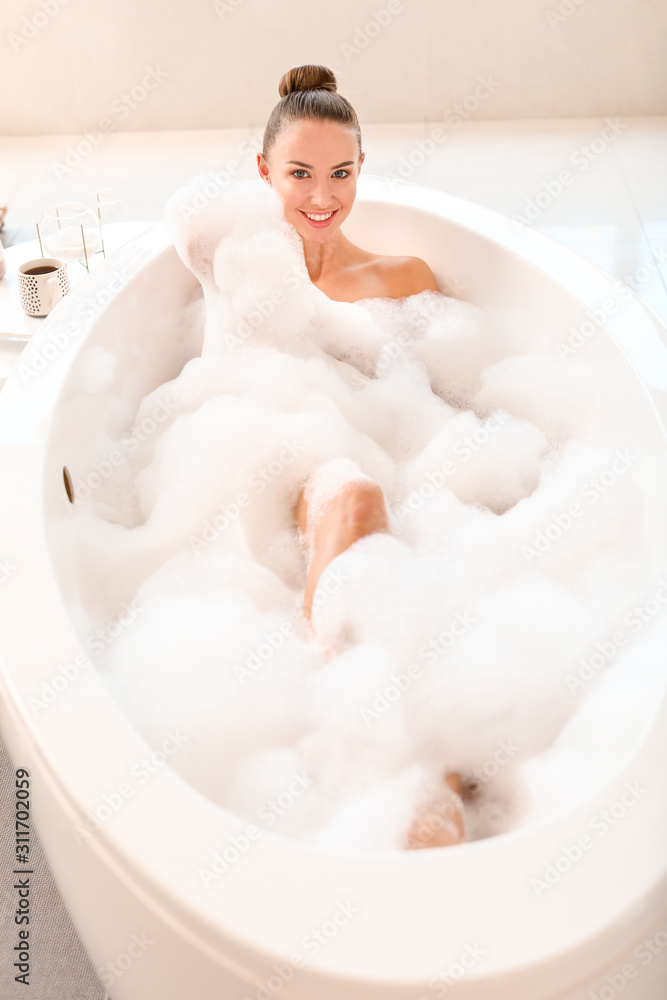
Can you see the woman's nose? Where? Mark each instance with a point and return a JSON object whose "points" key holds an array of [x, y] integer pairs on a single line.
{"points": [[321, 195]]}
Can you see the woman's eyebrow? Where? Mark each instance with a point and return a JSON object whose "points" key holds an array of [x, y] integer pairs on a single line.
{"points": [[348, 163]]}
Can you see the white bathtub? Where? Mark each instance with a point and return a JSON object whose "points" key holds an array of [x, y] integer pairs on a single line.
{"points": [[468, 913]]}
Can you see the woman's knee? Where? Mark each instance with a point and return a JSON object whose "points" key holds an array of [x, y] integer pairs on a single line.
{"points": [[362, 503], [358, 503]]}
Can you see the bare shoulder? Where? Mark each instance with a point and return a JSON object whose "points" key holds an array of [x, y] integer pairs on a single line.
{"points": [[407, 276]]}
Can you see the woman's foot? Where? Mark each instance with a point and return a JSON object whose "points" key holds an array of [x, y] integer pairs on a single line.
{"points": [[441, 824], [356, 510]]}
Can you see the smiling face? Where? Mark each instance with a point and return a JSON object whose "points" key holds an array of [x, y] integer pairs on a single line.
{"points": [[313, 165]]}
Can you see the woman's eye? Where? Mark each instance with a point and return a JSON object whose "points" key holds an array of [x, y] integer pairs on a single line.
{"points": [[340, 171]]}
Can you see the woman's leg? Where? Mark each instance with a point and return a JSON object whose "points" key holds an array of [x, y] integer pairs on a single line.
{"points": [[441, 824], [358, 509]]}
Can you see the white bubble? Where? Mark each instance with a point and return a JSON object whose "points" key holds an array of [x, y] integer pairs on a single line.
{"points": [[525, 498]]}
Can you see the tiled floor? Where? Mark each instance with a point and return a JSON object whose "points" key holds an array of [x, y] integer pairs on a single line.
{"points": [[597, 185]]}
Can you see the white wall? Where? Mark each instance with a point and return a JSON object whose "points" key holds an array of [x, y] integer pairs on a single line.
{"points": [[66, 64]]}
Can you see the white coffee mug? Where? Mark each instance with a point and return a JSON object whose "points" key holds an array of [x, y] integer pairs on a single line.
{"points": [[42, 284]]}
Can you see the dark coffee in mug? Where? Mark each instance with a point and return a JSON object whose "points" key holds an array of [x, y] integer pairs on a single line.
{"points": [[42, 283]]}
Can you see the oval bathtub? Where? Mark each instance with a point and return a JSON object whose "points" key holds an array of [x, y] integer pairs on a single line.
{"points": [[397, 925]]}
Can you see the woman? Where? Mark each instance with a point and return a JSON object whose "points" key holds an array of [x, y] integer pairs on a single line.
{"points": [[312, 157]]}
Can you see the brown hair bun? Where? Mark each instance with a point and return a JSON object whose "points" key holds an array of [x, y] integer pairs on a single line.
{"points": [[306, 78]]}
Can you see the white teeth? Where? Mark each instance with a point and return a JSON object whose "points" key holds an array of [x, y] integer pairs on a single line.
{"points": [[318, 218]]}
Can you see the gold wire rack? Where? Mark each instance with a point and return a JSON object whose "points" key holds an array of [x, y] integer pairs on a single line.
{"points": [[86, 255]]}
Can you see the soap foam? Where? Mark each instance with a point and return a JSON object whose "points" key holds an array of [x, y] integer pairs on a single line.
{"points": [[452, 638]]}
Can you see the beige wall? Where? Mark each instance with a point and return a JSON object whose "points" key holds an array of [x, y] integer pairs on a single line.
{"points": [[68, 65]]}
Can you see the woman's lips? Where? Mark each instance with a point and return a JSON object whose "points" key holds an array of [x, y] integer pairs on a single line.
{"points": [[319, 225]]}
